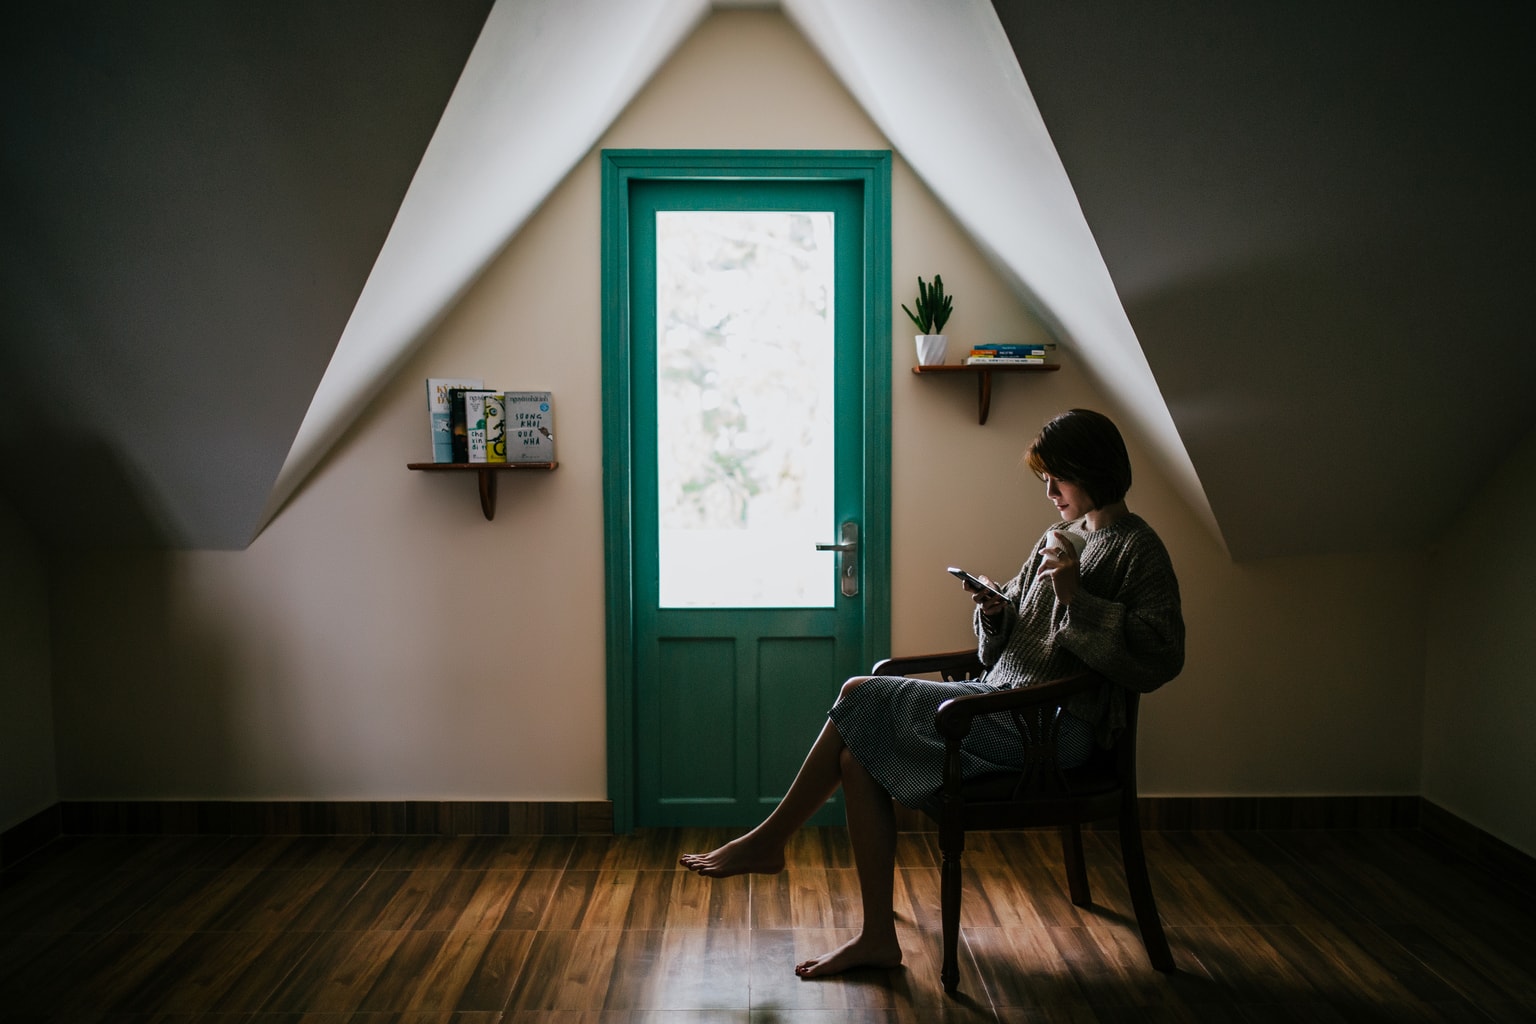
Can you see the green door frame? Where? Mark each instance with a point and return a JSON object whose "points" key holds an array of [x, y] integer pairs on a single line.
{"points": [[872, 170]]}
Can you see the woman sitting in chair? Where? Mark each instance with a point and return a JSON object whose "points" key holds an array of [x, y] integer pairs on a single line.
{"points": [[1114, 608]]}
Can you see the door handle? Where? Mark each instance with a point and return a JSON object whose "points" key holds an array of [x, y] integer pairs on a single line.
{"points": [[847, 550]]}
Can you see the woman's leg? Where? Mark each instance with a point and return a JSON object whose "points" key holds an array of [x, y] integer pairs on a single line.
{"points": [[761, 851], [872, 829]]}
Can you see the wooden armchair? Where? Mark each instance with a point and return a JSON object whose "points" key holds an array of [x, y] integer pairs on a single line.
{"points": [[1041, 794]]}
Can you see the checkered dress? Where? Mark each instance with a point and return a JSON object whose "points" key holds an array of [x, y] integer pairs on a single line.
{"points": [[887, 722]]}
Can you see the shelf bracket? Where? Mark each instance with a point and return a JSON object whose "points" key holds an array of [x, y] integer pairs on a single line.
{"points": [[488, 494], [983, 396]]}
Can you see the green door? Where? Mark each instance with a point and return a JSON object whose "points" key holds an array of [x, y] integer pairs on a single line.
{"points": [[753, 362]]}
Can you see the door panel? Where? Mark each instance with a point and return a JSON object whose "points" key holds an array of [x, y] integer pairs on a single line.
{"points": [[735, 715], [786, 719], [692, 716]]}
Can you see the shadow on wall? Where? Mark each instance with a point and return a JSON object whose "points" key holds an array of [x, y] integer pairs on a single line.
{"points": [[1310, 371], [152, 698], [88, 498]]}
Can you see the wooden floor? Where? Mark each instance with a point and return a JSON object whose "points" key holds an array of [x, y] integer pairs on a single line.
{"points": [[1322, 926]]}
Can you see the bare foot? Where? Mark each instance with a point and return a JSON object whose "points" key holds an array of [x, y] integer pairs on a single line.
{"points": [[856, 952], [744, 856]]}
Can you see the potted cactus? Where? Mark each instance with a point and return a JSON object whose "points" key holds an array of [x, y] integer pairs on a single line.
{"points": [[933, 309]]}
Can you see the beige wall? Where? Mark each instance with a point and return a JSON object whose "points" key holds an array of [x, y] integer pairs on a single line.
{"points": [[1480, 703], [28, 781], [381, 640]]}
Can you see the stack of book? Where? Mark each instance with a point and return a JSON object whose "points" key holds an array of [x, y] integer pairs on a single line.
{"points": [[472, 423], [1011, 353]]}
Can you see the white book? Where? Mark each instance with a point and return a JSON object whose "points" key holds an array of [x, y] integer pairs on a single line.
{"points": [[530, 426], [474, 423]]}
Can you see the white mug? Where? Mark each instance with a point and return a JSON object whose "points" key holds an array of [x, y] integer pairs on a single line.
{"points": [[1069, 538]]}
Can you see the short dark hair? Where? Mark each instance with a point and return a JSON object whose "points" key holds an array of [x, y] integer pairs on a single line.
{"points": [[1085, 448]]}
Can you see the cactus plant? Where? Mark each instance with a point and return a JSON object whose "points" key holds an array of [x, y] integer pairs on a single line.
{"points": [[933, 306]]}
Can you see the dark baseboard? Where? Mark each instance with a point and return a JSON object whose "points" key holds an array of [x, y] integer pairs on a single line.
{"points": [[305, 817], [1240, 813], [339, 817], [595, 817]]}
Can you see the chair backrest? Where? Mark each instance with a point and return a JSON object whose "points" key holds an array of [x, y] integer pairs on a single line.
{"points": [[971, 669], [1125, 744]]}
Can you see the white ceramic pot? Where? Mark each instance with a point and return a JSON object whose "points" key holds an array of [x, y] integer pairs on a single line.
{"points": [[930, 349]]}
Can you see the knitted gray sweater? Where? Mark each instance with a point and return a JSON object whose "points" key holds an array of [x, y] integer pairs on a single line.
{"points": [[1125, 622]]}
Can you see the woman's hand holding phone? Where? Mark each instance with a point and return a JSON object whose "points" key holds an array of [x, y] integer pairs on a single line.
{"points": [[987, 595]]}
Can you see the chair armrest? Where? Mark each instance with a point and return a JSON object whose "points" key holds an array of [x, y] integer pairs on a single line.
{"points": [[951, 664], [954, 715]]}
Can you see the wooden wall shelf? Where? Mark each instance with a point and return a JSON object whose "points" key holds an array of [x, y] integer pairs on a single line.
{"points": [[487, 472], [983, 375]]}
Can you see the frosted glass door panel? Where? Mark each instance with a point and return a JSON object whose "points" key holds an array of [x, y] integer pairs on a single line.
{"points": [[744, 399]]}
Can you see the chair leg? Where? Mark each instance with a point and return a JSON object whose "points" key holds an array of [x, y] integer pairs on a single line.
{"points": [[1140, 884], [951, 846], [1072, 856], [949, 911]]}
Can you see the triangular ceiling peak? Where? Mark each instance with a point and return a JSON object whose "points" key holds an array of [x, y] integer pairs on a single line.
{"points": [[972, 131]]}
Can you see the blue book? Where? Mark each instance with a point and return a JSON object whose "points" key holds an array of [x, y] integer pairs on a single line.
{"points": [[1004, 349]]}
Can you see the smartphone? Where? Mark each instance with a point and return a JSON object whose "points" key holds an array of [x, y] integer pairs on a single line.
{"points": [[973, 581]]}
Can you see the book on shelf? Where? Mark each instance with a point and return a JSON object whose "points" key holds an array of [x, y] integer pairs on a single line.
{"points": [[1017, 353], [1007, 349], [458, 423], [439, 412], [474, 424], [495, 428], [530, 426]]}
